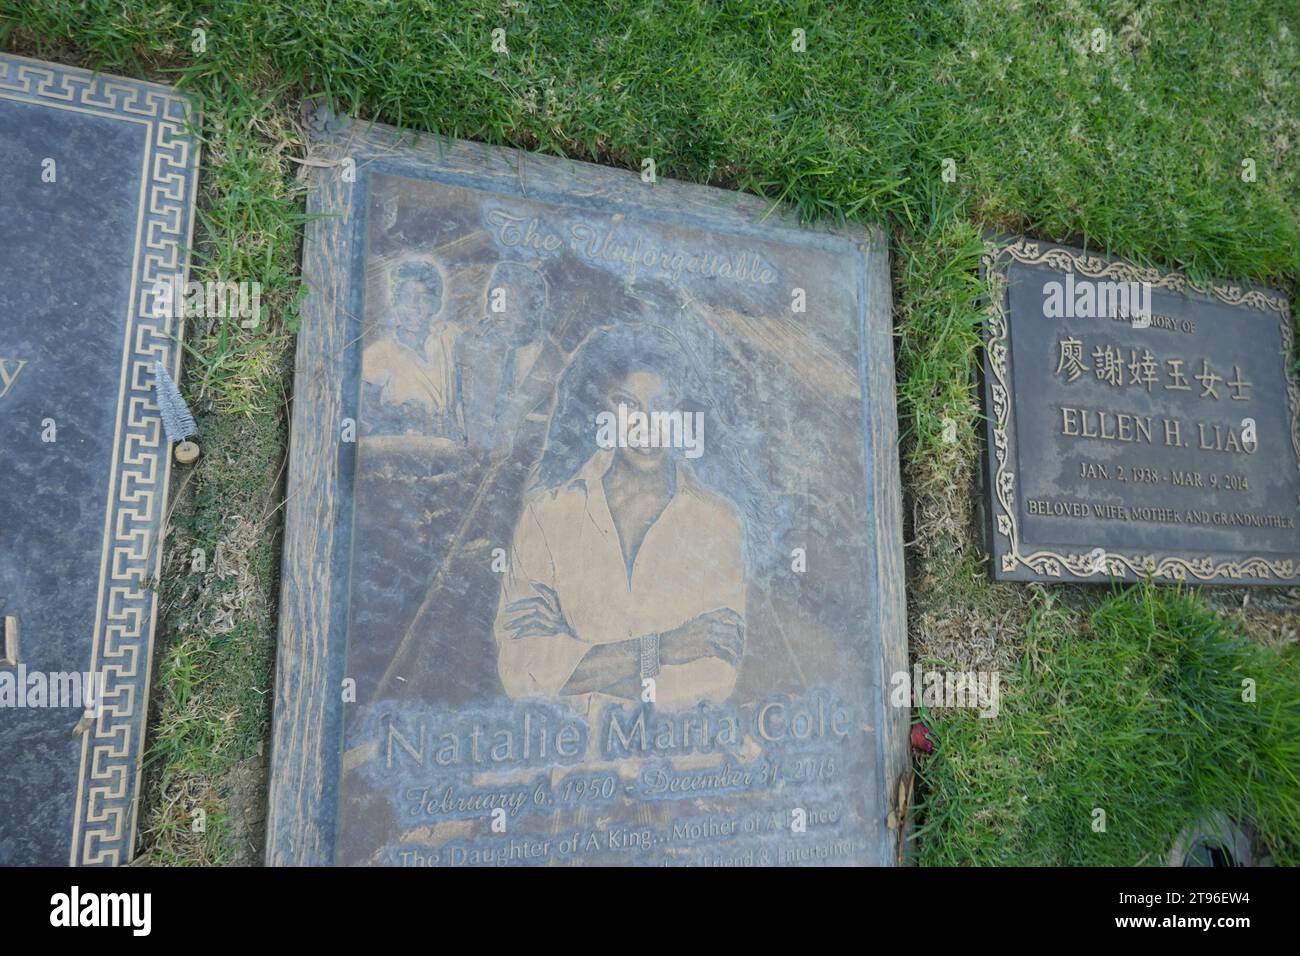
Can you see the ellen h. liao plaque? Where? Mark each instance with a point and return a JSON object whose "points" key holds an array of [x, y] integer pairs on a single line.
{"points": [[1139, 424], [97, 182], [593, 551]]}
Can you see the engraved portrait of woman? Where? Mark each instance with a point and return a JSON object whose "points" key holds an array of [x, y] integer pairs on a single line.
{"points": [[624, 566]]}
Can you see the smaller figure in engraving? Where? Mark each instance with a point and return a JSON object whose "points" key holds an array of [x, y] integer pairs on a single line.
{"points": [[408, 369], [495, 357]]}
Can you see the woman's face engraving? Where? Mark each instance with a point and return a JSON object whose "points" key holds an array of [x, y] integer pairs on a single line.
{"points": [[642, 391]]}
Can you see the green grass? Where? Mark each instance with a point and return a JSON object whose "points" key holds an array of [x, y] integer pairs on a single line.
{"points": [[210, 719], [1135, 150], [1141, 714]]}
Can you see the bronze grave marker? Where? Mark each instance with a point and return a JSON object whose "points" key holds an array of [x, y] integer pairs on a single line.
{"points": [[593, 549], [1138, 423], [97, 182]]}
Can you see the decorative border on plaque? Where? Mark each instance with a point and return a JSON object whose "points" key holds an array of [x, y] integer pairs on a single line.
{"points": [[1112, 564], [122, 643]]}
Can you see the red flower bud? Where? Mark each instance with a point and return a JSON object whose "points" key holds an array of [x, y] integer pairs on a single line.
{"points": [[921, 739]]}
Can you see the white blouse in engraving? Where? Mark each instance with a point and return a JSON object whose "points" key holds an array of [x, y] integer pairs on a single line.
{"points": [[688, 564]]}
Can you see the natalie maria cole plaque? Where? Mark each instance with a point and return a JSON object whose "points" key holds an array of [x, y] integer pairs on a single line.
{"points": [[97, 181], [593, 551], [1139, 424]]}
